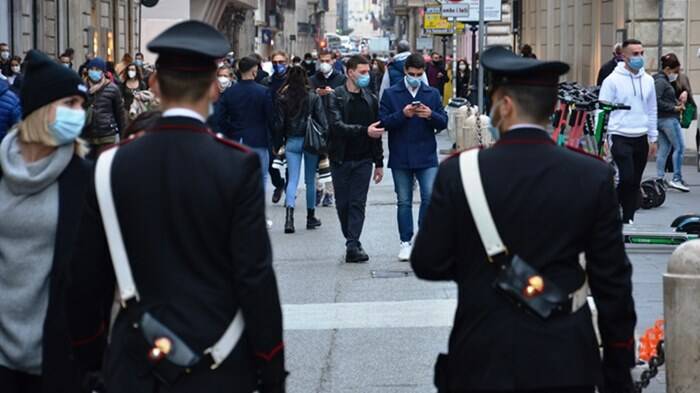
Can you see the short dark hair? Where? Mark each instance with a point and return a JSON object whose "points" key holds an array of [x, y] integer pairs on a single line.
{"points": [[325, 53], [670, 61], [631, 41], [296, 59], [415, 60], [356, 60], [307, 55], [190, 87], [247, 63], [142, 122], [138, 54], [536, 101]]}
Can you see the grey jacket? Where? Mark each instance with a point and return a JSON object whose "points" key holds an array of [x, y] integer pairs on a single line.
{"points": [[665, 96]]}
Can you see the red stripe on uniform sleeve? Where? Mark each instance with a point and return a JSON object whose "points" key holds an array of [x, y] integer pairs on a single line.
{"points": [[270, 355]]}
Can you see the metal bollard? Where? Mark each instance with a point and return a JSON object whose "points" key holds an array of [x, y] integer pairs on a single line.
{"points": [[682, 315]]}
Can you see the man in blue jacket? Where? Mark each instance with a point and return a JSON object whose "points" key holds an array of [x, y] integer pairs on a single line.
{"points": [[10, 110], [244, 111], [411, 111]]}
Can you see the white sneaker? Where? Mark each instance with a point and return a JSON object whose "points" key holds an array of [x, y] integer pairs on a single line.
{"points": [[678, 185], [269, 223], [405, 252]]}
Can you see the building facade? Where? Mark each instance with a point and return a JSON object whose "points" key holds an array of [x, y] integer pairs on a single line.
{"points": [[582, 32], [108, 28]]}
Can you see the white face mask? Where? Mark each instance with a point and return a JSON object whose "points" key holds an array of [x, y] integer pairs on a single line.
{"points": [[462, 67], [5, 55], [131, 74], [224, 82], [325, 68], [673, 77]]}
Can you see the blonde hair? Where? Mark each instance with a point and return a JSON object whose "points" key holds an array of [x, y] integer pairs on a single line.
{"points": [[35, 129]]}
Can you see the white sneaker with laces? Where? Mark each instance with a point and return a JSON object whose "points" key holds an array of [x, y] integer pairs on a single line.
{"points": [[678, 185], [405, 252]]}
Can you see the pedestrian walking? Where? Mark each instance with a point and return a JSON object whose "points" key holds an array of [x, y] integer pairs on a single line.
{"points": [[411, 112], [513, 247], [462, 79], [225, 77], [42, 182], [670, 109], [376, 76], [274, 82], [632, 133], [131, 85], [395, 70], [608, 68], [324, 82], [211, 260], [104, 109], [5, 56], [244, 112], [437, 75], [10, 108], [296, 105], [309, 64], [15, 78], [355, 147]]}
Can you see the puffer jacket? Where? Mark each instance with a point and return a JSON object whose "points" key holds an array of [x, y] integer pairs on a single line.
{"points": [[288, 126], [10, 110], [666, 101], [105, 113]]}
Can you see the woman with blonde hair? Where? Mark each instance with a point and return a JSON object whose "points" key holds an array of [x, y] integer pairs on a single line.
{"points": [[42, 181]]}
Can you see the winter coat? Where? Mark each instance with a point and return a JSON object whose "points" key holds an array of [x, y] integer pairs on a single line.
{"points": [[666, 101], [10, 109], [105, 112]]}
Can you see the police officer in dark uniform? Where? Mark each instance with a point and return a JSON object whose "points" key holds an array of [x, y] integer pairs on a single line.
{"points": [[191, 212], [549, 204]]}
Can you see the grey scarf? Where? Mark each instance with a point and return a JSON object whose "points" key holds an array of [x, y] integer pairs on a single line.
{"points": [[29, 178]]}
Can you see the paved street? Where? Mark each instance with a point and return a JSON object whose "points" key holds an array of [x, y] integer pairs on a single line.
{"points": [[375, 328]]}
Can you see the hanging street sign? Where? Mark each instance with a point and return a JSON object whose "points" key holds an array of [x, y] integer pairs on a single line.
{"points": [[434, 23], [468, 10]]}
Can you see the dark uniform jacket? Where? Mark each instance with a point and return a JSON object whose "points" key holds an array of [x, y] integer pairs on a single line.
{"points": [[341, 130], [549, 204], [191, 210]]}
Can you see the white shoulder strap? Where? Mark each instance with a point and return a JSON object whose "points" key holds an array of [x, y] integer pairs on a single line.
{"points": [[120, 261], [479, 206]]}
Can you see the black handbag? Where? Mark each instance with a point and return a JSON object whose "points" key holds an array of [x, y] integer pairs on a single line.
{"points": [[315, 138]]}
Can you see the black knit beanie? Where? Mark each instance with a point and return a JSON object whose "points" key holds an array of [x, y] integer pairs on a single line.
{"points": [[46, 81]]}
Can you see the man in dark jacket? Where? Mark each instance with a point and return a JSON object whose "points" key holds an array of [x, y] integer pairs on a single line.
{"points": [[504, 345], [355, 145], [395, 68], [309, 64], [245, 111], [191, 211], [609, 67], [10, 109], [411, 111], [437, 75], [327, 78]]}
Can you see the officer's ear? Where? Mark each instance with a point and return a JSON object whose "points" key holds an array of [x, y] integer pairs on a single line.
{"points": [[153, 84], [213, 93]]}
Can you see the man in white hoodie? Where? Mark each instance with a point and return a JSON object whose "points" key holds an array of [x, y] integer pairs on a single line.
{"points": [[633, 133]]}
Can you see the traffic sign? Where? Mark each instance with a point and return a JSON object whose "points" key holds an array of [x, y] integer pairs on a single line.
{"points": [[434, 23], [468, 10]]}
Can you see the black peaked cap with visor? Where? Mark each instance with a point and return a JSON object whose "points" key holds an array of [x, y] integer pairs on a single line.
{"points": [[505, 68], [190, 46]]}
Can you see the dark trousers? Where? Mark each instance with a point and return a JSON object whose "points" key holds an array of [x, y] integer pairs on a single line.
{"points": [[12, 381], [630, 156], [351, 182]]}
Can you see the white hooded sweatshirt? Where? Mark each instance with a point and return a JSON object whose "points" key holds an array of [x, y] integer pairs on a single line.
{"points": [[637, 91]]}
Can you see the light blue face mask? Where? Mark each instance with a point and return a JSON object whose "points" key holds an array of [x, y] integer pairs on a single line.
{"points": [[413, 81], [95, 75], [362, 81], [636, 62], [493, 128], [68, 125]]}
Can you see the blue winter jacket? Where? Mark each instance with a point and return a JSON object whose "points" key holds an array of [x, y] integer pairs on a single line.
{"points": [[10, 110], [412, 142]]}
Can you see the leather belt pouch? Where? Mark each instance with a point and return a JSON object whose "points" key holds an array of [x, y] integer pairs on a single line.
{"points": [[171, 366], [529, 289]]}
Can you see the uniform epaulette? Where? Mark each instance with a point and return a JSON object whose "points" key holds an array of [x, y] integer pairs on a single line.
{"points": [[581, 151], [222, 139]]}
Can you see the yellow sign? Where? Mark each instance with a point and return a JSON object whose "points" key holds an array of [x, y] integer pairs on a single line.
{"points": [[434, 23]]}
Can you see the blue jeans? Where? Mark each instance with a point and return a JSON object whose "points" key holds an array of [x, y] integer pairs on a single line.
{"points": [[403, 185], [294, 152], [670, 135], [264, 155]]}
